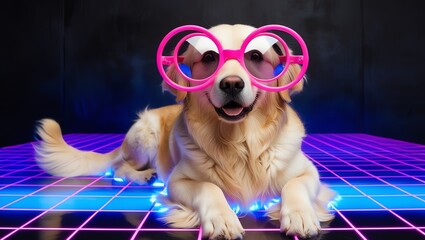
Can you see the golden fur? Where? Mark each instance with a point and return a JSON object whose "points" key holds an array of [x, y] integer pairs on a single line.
{"points": [[207, 161]]}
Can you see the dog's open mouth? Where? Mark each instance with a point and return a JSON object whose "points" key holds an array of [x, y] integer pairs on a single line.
{"points": [[234, 111]]}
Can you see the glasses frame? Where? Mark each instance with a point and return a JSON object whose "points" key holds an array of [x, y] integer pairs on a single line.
{"points": [[227, 54]]}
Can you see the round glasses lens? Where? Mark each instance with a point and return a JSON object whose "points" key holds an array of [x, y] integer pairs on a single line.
{"points": [[199, 57], [265, 57], [192, 55]]}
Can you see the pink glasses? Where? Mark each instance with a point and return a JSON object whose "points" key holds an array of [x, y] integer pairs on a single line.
{"points": [[263, 54]]}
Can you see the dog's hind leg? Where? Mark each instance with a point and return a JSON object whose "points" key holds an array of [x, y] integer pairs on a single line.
{"points": [[139, 149]]}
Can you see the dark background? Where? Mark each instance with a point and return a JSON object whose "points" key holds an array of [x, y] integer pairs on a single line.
{"points": [[91, 64]]}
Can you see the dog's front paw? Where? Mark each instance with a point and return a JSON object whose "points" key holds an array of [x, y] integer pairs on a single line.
{"points": [[301, 221], [221, 223], [142, 177]]}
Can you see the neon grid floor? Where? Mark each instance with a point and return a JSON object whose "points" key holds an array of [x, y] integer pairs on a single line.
{"points": [[381, 183]]}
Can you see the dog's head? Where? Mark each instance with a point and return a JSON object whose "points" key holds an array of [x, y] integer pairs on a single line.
{"points": [[232, 96]]}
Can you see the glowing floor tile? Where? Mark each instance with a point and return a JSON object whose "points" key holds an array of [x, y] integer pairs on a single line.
{"points": [[346, 190], [126, 204], [353, 203], [83, 203], [19, 190], [36, 202], [381, 190], [419, 189], [381, 183], [99, 191], [4, 200], [400, 202]]}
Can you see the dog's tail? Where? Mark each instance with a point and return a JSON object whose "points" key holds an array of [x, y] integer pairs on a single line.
{"points": [[58, 158]]}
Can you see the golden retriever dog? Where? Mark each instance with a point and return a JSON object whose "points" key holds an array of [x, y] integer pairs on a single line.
{"points": [[215, 148]]}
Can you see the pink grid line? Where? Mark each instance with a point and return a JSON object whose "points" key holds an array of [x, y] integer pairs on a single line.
{"points": [[345, 219], [81, 140], [44, 212], [334, 137], [322, 149], [330, 154], [93, 141], [140, 226], [200, 233], [49, 185], [368, 209], [22, 180], [17, 163], [375, 163], [31, 194], [98, 210], [196, 230], [383, 141]]}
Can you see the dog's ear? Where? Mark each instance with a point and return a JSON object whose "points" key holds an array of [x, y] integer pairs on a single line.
{"points": [[288, 77], [176, 77]]}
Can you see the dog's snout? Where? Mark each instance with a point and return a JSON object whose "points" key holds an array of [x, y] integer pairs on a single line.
{"points": [[232, 85]]}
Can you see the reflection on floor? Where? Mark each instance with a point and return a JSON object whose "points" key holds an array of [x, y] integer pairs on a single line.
{"points": [[381, 183]]}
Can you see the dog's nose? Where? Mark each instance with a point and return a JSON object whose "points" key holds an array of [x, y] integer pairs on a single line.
{"points": [[232, 85]]}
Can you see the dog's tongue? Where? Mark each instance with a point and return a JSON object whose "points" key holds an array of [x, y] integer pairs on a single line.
{"points": [[233, 111]]}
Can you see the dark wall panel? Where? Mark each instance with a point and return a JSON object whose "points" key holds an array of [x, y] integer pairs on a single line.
{"points": [[394, 61], [90, 64], [110, 49], [332, 98], [110, 71], [30, 66]]}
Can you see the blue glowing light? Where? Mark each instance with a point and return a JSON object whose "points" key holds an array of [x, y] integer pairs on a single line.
{"points": [[163, 209], [254, 207], [118, 179], [271, 203], [236, 209], [157, 205], [257, 206], [153, 199], [158, 184], [108, 173], [334, 203], [164, 192]]}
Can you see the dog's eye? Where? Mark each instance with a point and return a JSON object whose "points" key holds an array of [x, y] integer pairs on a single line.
{"points": [[256, 56], [209, 57], [277, 49]]}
